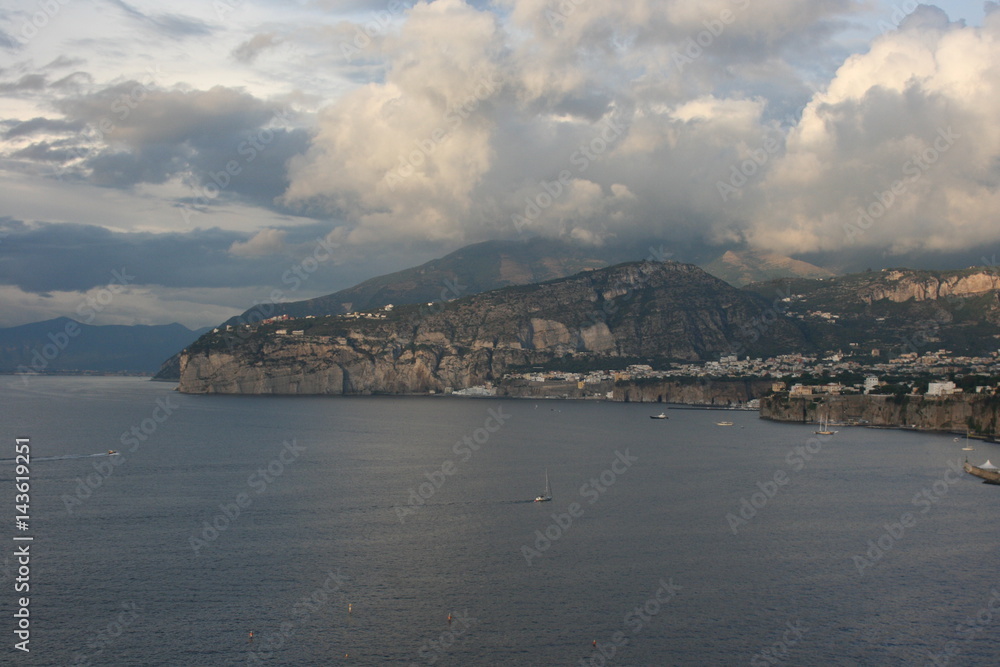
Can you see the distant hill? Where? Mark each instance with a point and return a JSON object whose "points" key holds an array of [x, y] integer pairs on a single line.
{"points": [[64, 345], [743, 267], [467, 271]]}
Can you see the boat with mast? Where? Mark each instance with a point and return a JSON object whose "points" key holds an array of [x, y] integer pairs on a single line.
{"points": [[824, 427], [547, 494], [968, 447]]}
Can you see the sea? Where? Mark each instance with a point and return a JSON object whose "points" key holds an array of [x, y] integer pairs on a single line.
{"points": [[232, 530]]}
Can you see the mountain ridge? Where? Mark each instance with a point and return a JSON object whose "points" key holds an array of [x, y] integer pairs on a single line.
{"points": [[645, 309], [64, 345]]}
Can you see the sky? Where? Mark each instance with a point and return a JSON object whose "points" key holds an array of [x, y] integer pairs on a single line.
{"points": [[183, 162]]}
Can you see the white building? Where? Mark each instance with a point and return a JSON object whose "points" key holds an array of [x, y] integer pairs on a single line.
{"points": [[940, 388]]}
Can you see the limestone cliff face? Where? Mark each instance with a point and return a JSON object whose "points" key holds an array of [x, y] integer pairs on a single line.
{"points": [[708, 392], [900, 286], [936, 413], [637, 310]]}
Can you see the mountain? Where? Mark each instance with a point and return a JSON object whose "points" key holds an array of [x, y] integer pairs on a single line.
{"points": [[469, 270], [65, 345], [743, 267], [894, 310], [642, 311]]}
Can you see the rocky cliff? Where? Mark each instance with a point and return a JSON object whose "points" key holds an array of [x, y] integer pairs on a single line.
{"points": [[900, 286], [705, 392], [640, 310], [980, 414]]}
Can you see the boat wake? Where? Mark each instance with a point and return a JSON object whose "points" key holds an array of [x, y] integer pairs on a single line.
{"points": [[66, 457]]}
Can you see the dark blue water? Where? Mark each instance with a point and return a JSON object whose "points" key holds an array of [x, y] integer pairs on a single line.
{"points": [[125, 572]]}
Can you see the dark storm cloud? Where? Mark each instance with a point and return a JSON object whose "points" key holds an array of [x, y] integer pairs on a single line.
{"points": [[43, 126], [132, 133], [28, 82], [43, 151]]}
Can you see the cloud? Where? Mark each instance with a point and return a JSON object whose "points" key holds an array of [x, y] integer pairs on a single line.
{"points": [[7, 42], [264, 242], [28, 82], [248, 51], [479, 109], [42, 125], [900, 150], [134, 133], [169, 24]]}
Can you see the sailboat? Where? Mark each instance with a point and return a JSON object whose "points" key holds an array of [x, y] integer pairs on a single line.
{"points": [[824, 427], [547, 494], [968, 447]]}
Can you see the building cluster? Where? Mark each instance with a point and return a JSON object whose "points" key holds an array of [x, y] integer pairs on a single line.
{"points": [[378, 314], [808, 367]]}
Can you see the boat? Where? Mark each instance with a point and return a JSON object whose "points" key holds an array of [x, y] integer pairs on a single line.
{"points": [[112, 452], [547, 494], [723, 423], [968, 447], [662, 415], [987, 472], [824, 428]]}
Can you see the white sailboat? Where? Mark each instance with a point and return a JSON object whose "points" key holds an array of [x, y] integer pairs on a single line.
{"points": [[547, 494], [968, 447]]}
